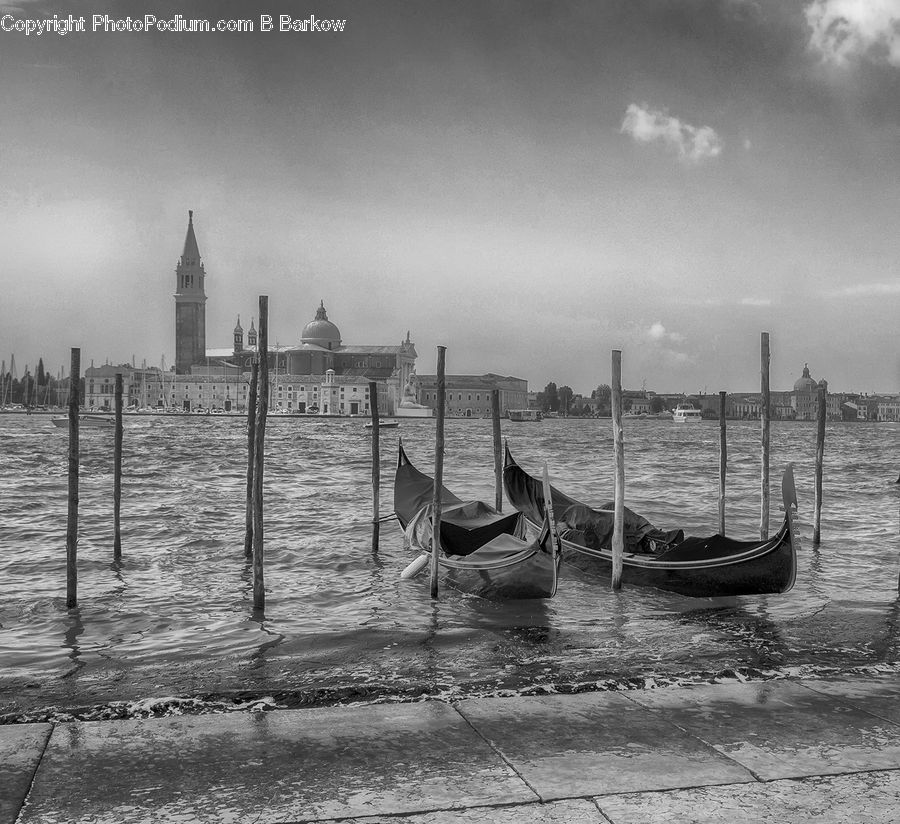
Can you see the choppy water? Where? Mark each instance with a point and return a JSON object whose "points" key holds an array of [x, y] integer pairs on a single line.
{"points": [[175, 617]]}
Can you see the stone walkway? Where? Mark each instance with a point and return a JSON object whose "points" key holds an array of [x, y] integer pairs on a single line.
{"points": [[779, 751]]}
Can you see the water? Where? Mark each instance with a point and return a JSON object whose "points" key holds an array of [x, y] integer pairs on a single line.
{"points": [[175, 617]]}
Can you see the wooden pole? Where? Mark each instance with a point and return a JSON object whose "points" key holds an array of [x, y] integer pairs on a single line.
{"points": [[498, 461], [262, 403], [251, 443], [820, 461], [436, 504], [72, 521], [117, 473], [618, 540], [723, 461], [376, 463], [764, 418]]}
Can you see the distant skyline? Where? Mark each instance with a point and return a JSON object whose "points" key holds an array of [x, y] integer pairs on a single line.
{"points": [[531, 184]]}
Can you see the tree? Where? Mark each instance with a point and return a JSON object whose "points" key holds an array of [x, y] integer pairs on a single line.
{"points": [[551, 398], [565, 398], [657, 404], [602, 393]]}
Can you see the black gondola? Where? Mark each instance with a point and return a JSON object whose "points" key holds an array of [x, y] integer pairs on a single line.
{"points": [[483, 551], [701, 567]]}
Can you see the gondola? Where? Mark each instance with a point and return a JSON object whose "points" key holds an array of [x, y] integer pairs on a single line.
{"points": [[484, 551], [700, 567]]}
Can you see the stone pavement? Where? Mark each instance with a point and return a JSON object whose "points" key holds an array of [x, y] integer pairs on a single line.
{"points": [[778, 751]]}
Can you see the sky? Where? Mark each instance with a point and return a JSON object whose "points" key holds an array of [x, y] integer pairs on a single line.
{"points": [[530, 184]]}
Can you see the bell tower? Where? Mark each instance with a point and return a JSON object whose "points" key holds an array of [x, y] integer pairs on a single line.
{"points": [[190, 305]]}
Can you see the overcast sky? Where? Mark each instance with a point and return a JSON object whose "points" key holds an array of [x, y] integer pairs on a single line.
{"points": [[531, 184]]}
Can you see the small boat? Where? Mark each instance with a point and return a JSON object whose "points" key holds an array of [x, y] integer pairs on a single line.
{"points": [[88, 421], [522, 415], [383, 424], [484, 551], [685, 413], [700, 567]]}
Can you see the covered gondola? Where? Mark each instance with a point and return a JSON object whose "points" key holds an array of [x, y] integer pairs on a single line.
{"points": [[483, 551], [701, 567]]}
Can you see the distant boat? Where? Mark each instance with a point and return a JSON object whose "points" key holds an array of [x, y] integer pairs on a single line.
{"points": [[382, 424], [89, 421], [685, 413], [522, 415]]}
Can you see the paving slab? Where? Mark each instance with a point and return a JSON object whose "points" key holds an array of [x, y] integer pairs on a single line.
{"points": [[21, 746], [780, 729], [571, 811], [860, 798], [290, 765], [566, 746], [879, 695]]}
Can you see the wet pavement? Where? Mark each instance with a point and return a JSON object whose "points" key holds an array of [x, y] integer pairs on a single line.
{"points": [[788, 751]]}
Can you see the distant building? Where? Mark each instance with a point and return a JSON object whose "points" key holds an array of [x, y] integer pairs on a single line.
{"points": [[806, 397], [100, 386], [469, 396], [889, 408]]}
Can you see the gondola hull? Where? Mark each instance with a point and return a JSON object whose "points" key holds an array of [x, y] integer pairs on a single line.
{"points": [[706, 568], [505, 568], [483, 552], [763, 569], [532, 579]]}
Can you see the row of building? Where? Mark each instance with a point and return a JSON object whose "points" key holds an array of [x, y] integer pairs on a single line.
{"points": [[319, 374], [798, 404]]}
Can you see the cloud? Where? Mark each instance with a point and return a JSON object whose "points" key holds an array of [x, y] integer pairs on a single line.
{"points": [[866, 289], [657, 332], [845, 30], [756, 302], [693, 144]]}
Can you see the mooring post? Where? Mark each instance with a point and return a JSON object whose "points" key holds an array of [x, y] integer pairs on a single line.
{"points": [[376, 463], [498, 460], [251, 443], [723, 461], [262, 403], [764, 418], [820, 460], [618, 539], [117, 473], [436, 504], [72, 520]]}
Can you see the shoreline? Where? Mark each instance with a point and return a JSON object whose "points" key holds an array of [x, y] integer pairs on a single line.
{"points": [[342, 694]]}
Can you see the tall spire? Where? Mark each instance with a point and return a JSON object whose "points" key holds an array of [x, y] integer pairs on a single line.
{"points": [[190, 300], [191, 253]]}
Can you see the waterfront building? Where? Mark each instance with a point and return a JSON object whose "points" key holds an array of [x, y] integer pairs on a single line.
{"points": [[806, 397], [100, 386], [889, 408], [319, 372], [469, 396]]}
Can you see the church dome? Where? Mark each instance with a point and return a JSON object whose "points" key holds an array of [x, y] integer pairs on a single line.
{"points": [[321, 331], [805, 383]]}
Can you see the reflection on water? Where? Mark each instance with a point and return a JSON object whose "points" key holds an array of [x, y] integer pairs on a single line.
{"points": [[182, 595], [74, 628]]}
